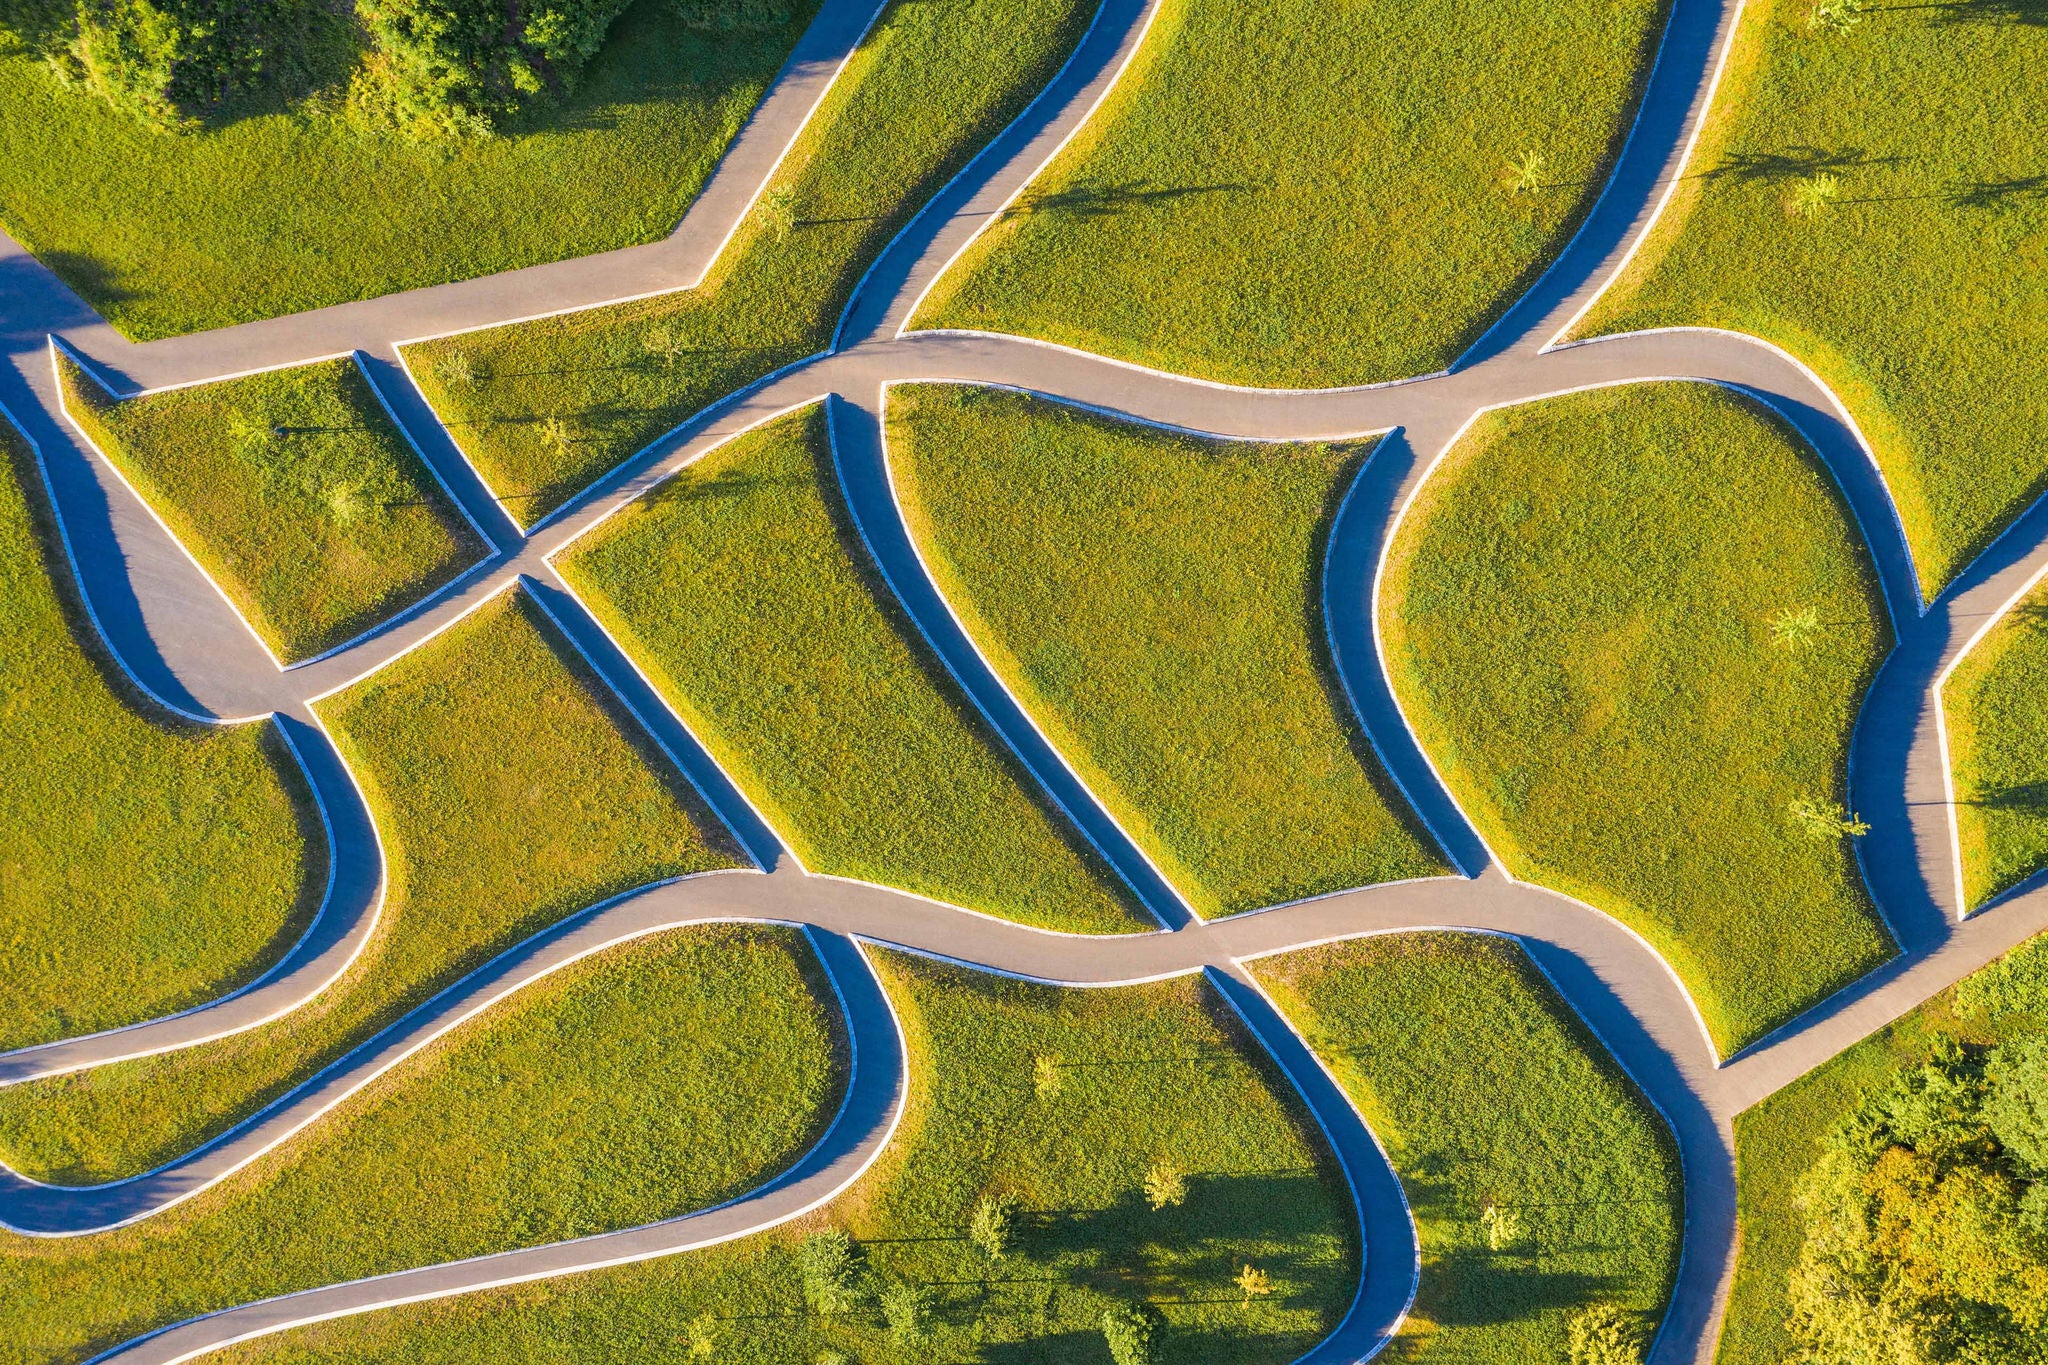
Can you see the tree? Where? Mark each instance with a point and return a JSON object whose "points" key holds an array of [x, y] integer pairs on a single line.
{"points": [[1835, 16], [1526, 172], [993, 1227], [1821, 821], [1165, 1186], [2016, 1101], [1254, 1282], [1795, 630], [558, 433], [1046, 1077], [907, 1308], [1604, 1334], [1502, 1226], [778, 211], [702, 1335], [830, 1267], [1132, 1331], [1810, 195]]}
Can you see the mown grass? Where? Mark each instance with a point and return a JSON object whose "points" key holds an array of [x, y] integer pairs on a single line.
{"points": [[663, 1076], [1997, 734], [1148, 1072], [1300, 194], [506, 796], [282, 208], [1486, 1090], [1920, 292], [926, 90], [148, 865], [1579, 620], [294, 488], [743, 589], [1156, 602]]}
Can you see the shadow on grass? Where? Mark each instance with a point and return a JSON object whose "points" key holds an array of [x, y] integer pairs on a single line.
{"points": [[2023, 798], [1999, 195], [1794, 163], [1104, 201]]}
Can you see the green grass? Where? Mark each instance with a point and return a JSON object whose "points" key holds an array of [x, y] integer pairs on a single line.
{"points": [[1487, 1090], [1997, 734], [1578, 614], [663, 1076], [284, 209], [927, 89], [1148, 1072], [1302, 194], [316, 534], [147, 865], [1156, 602], [506, 797], [743, 589], [1921, 293]]}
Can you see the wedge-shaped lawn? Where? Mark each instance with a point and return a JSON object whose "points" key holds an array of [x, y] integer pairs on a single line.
{"points": [[590, 1101], [1488, 1093], [293, 488], [545, 407], [1145, 1074], [743, 589], [1156, 602], [279, 207], [507, 795], [1874, 201], [149, 865], [1996, 706], [1302, 194], [1633, 628]]}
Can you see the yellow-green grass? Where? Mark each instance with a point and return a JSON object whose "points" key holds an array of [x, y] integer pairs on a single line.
{"points": [[1486, 1090], [1579, 615], [1779, 1140], [147, 865], [507, 795], [294, 489], [663, 1076], [1147, 1072], [279, 209], [1920, 292], [926, 90], [1304, 194], [1155, 601], [744, 591], [1996, 706]]}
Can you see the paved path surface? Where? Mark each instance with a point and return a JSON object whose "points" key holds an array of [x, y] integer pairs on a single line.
{"points": [[164, 624]]}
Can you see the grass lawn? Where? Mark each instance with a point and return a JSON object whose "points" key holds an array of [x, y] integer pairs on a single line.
{"points": [[1920, 292], [507, 797], [1579, 619], [1148, 1072], [286, 208], [931, 84], [545, 1119], [745, 592], [148, 865], [1156, 602], [1997, 734], [316, 534], [1487, 1090], [1302, 194]]}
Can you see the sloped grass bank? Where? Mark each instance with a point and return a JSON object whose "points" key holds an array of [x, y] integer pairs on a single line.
{"points": [[1996, 705], [1633, 627], [1155, 601]]}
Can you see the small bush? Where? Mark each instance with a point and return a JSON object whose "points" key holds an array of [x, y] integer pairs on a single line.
{"points": [[1165, 1185], [993, 1228], [1604, 1334], [1132, 1332], [830, 1268], [907, 1308]]}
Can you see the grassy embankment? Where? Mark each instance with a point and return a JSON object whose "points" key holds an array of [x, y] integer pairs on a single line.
{"points": [[743, 589], [1997, 734], [506, 795], [545, 407], [1156, 602], [1633, 628]]}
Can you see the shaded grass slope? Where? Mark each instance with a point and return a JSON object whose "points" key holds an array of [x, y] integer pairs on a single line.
{"points": [[1303, 195], [1152, 1072], [1633, 628], [506, 795], [1155, 601], [743, 589], [296, 491], [545, 407], [1996, 705], [663, 1076], [148, 865], [1918, 287], [280, 208], [1489, 1093]]}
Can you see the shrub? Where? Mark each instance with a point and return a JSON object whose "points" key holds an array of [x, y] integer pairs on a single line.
{"points": [[993, 1228], [1132, 1333], [165, 61], [907, 1308], [830, 1268], [1604, 1334], [1165, 1185]]}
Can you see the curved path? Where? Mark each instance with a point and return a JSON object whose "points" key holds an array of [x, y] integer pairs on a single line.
{"points": [[173, 634]]}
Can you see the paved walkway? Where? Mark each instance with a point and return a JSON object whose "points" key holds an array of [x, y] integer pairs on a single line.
{"points": [[177, 638]]}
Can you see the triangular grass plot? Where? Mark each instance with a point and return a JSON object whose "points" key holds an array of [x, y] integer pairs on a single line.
{"points": [[1156, 602], [293, 488], [1633, 628], [1996, 705], [508, 790], [744, 591]]}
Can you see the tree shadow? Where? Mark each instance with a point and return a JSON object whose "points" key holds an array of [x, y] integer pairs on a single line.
{"points": [[2024, 798], [1795, 163], [2029, 12], [1104, 201], [2000, 195]]}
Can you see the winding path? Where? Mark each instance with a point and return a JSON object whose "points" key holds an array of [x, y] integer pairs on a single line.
{"points": [[184, 647]]}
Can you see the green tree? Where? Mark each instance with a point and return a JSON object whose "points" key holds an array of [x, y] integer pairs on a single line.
{"points": [[1825, 820], [1165, 1185], [1795, 629], [993, 1226], [830, 1267], [1810, 195], [777, 209], [907, 1308], [1604, 1334], [2016, 1102], [1835, 16], [1132, 1331]]}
